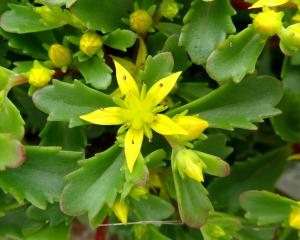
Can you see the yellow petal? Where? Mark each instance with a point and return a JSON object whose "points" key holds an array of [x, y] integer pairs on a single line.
{"points": [[105, 116], [294, 217], [125, 81], [166, 126], [133, 144], [120, 209], [161, 89], [268, 3], [130, 66], [142, 54]]}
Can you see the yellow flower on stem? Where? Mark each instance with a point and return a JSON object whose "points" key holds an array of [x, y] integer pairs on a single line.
{"points": [[268, 3], [138, 112]]}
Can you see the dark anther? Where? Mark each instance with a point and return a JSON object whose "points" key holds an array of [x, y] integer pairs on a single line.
{"points": [[132, 141], [161, 85], [124, 77]]}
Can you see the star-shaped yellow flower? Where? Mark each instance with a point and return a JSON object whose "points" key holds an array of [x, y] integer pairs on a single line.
{"points": [[138, 112]]}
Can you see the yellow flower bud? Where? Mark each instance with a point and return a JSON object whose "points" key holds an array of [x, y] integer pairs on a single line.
{"points": [[268, 22], [169, 9], [189, 163], [193, 125], [90, 43], [120, 209], [39, 75], [59, 55], [294, 217], [140, 21]]}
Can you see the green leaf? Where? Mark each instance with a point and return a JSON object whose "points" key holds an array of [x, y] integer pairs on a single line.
{"points": [[62, 103], [191, 91], [41, 178], [52, 215], [214, 165], [59, 232], [206, 25], [102, 15], [287, 124], [120, 39], [95, 185], [237, 105], [31, 44], [193, 203], [156, 67], [11, 121], [23, 19], [96, 72], [248, 175], [13, 222], [220, 226], [34, 118], [266, 207], [5, 79], [181, 60], [209, 145], [168, 28], [59, 134], [236, 57], [152, 208], [12, 152], [7, 203]]}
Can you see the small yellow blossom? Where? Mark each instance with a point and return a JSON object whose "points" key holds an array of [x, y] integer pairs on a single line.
{"points": [[268, 22], [59, 55], [120, 209], [138, 112], [39, 75], [140, 21], [268, 3], [189, 163], [193, 125], [90, 43], [294, 217]]}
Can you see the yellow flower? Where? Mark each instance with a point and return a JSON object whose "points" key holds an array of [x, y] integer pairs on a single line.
{"points": [[294, 217], [193, 125], [90, 43], [140, 21], [120, 209], [39, 75], [268, 3], [268, 22], [190, 164], [59, 55], [138, 112]]}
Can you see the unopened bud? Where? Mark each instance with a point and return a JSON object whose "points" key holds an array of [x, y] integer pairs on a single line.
{"points": [[188, 163], [90, 43], [120, 209], [139, 192], [291, 36], [268, 22], [39, 75], [169, 9], [140, 21], [60, 55], [193, 125]]}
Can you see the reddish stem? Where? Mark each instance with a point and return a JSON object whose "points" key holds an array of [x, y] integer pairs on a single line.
{"points": [[101, 231]]}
